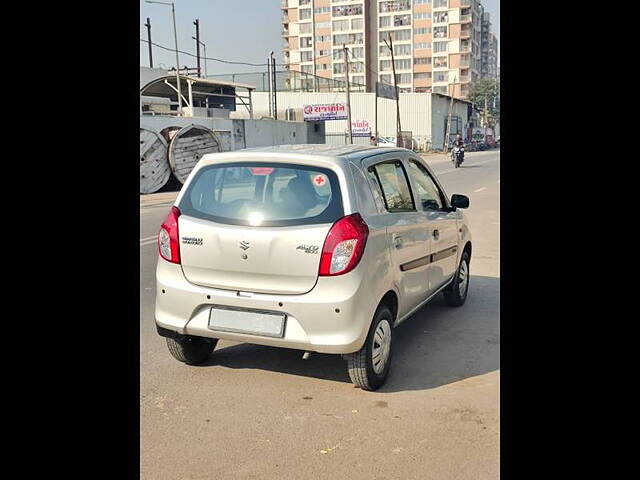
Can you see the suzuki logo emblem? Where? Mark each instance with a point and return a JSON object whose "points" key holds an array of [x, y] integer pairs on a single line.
{"points": [[244, 245]]}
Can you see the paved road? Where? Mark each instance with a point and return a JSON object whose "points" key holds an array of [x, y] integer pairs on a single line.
{"points": [[260, 412]]}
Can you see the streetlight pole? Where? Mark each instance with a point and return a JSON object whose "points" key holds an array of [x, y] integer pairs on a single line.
{"points": [[175, 36], [204, 47], [197, 24]]}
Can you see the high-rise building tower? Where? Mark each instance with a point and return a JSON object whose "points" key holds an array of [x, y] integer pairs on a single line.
{"points": [[437, 43]]}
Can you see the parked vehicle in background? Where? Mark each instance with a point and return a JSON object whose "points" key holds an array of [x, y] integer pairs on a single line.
{"points": [[387, 142], [318, 248]]}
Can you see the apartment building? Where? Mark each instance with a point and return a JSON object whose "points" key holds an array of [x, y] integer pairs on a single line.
{"points": [[489, 49], [437, 43]]}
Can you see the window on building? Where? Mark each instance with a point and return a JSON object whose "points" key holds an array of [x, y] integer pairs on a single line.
{"points": [[347, 10], [321, 10], [397, 35], [383, 51], [358, 79], [440, 89], [305, 13], [422, 16], [421, 31], [339, 68], [339, 25], [306, 42], [440, 46], [403, 77], [386, 79], [439, 62], [385, 21], [323, 66], [356, 24], [421, 45], [422, 75], [422, 61], [441, 76], [323, 53], [401, 20], [440, 3], [356, 52], [323, 38], [395, 6], [306, 27], [306, 56], [421, 2], [402, 49], [385, 65], [440, 32], [441, 17], [307, 68], [323, 24], [338, 54], [403, 64], [348, 38]]}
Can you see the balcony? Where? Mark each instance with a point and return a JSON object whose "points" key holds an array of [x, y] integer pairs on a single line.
{"points": [[465, 18], [465, 47], [465, 33]]}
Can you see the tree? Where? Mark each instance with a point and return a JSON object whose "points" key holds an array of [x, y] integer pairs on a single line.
{"points": [[487, 92]]}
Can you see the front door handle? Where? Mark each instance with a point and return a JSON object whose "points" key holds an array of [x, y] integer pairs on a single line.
{"points": [[397, 240], [436, 234]]}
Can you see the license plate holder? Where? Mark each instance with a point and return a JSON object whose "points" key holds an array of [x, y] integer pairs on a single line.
{"points": [[248, 322]]}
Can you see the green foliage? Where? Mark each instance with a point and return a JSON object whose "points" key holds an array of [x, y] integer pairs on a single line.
{"points": [[489, 89]]}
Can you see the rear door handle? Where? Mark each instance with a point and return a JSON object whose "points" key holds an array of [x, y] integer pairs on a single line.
{"points": [[397, 240]]}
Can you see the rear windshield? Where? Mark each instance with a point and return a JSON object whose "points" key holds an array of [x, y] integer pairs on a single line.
{"points": [[263, 194]]}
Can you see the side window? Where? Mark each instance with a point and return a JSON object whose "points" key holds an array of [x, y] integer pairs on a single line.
{"points": [[394, 184], [428, 194]]}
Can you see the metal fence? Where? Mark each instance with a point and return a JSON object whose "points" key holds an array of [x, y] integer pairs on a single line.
{"points": [[290, 81]]}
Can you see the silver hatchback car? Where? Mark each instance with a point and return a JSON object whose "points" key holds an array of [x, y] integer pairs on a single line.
{"points": [[312, 247]]}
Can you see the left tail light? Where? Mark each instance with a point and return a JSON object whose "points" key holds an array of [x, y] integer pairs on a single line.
{"points": [[168, 238]]}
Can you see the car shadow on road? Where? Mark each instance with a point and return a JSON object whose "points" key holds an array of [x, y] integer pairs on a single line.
{"points": [[438, 345]]}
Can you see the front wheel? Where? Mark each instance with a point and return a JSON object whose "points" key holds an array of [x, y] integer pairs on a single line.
{"points": [[369, 367]]}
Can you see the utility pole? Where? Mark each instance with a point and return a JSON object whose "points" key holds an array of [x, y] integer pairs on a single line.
{"points": [[346, 59], [197, 24], [275, 89], [148, 25], [395, 85], [269, 82], [448, 129]]}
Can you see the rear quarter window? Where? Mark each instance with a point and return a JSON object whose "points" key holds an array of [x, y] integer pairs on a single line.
{"points": [[263, 194]]}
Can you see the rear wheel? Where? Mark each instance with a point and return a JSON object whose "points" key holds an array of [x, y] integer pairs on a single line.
{"points": [[456, 293], [369, 367], [191, 350]]}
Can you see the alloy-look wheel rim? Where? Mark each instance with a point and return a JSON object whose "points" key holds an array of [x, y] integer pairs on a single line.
{"points": [[381, 346], [463, 279]]}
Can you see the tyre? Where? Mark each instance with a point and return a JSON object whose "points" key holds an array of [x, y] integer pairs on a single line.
{"points": [[191, 350], [456, 294], [369, 367]]}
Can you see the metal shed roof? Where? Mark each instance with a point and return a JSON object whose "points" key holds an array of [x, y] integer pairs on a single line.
{"points": [[159, 88]]}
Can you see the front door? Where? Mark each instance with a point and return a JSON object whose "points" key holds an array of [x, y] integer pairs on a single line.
{"points": [[442, 228]]}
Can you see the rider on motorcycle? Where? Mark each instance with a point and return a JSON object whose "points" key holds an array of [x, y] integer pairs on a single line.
{"points": [[458, 142]]}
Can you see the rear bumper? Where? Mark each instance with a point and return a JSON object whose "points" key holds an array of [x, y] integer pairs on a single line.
{"points": [[334, 317]]}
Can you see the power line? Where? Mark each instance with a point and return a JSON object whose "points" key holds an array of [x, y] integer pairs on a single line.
{"points": [[211, 58]]}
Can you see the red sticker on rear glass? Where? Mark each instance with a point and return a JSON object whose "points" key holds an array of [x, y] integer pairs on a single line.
{"points": [[262, 170], [319, 180]]}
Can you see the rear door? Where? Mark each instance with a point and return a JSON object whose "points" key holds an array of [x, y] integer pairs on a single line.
{"points": [[441, 223], [406, 231], [257, 226]]}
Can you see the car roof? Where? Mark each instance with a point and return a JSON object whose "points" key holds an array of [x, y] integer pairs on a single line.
{"points": [[353, 152]]}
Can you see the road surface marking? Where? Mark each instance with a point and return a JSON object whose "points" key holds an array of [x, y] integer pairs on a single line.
{"points": [[480, 189], [475, 163]]}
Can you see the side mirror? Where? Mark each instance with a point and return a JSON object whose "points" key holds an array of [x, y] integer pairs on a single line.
{"points": [[459, 201]]}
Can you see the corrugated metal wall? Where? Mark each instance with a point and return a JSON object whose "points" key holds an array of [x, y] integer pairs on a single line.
{"points": [[415, 112]]}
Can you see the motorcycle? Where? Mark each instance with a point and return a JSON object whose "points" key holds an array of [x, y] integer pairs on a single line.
{"points": [[457, 156]]}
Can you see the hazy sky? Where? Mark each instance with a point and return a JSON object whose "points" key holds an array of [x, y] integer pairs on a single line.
{"points": [[238, 30]]}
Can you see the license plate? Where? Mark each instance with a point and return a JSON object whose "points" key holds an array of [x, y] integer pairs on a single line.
{"points": [[250, 322]]}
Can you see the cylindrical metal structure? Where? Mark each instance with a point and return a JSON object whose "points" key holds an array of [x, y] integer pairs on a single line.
{"points": [[154, 166], [187, 148]]}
